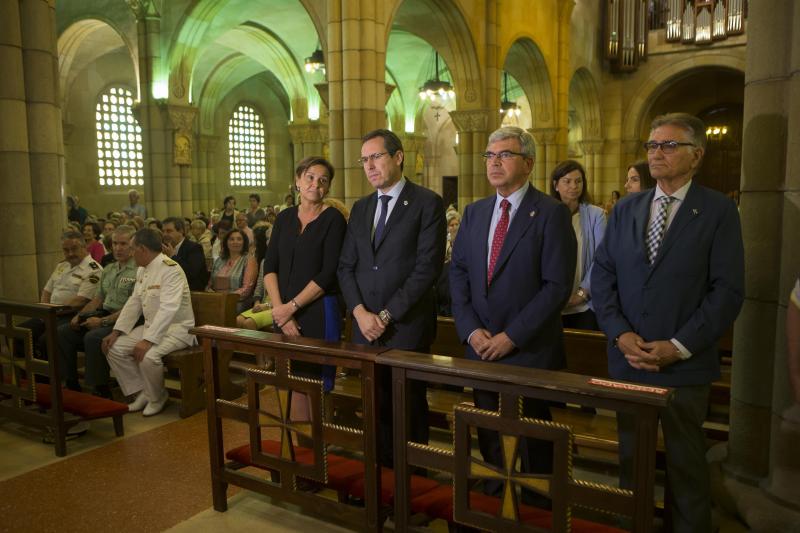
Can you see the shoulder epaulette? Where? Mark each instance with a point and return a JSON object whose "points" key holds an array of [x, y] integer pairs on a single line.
{"points": [[93, 265], [170, 262]]}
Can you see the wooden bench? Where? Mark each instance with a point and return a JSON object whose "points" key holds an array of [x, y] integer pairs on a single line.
{"points": [[210, 308], [60, 409]]}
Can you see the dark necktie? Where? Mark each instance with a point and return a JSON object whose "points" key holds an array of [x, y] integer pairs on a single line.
{"points": [[499, 236], [381, 226]]}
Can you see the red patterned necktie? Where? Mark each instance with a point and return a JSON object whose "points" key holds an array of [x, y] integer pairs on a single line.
{"points": [[499, 236]]}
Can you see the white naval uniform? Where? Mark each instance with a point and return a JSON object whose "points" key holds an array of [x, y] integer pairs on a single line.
{"points": [[162, 295], [68, 281]]}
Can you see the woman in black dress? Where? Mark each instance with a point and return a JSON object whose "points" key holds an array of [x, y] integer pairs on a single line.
{"points": [[302, 257]]}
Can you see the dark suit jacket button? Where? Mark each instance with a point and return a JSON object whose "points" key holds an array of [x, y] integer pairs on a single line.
{"points": [[374, 267]]}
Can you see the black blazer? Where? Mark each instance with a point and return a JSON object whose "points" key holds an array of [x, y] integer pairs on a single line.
{"points": [[532, 280], [692, 292], [400, 272], [192, 260]]}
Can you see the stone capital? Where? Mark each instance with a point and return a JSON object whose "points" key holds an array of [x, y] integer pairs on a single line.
{"points": [[413, 142], [307, 133], [544, 136], [182, 118], [592, 146], [476, 120], [143, 9]]}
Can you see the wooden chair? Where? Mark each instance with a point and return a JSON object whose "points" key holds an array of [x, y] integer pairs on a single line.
{"points": [[210, 308]]}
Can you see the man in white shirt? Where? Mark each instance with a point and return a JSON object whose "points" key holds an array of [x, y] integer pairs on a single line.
{"points": [[135, 352]]}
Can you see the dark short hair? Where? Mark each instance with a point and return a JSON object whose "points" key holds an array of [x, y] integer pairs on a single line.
{"points": [[149, 238], [260, 237], [226, 200], [695, 127], [95, 227], [178, 222], [561, 170], [224, 225], [255, 197], [225, 252], [643, 169], [311, 161], [391, 142], [72, 234]]}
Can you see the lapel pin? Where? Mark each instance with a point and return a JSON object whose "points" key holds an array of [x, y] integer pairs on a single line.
{"points": [[405, 202], [695, 211], [533, 214]]}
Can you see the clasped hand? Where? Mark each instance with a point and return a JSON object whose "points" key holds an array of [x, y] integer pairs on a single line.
{"points": [[370, 324], [488, 347], [650, 356]]}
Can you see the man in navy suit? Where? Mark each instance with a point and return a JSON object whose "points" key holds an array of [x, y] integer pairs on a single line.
{"points": [[189, 255], [511, 273], [392, 255], [668, 281]]}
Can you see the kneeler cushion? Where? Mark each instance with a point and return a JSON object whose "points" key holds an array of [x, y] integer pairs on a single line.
{"points": [[418, 487], [439, 504], [82, 404]]}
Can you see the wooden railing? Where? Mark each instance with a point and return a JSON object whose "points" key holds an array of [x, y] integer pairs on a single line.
{"points": [[291, 472]]}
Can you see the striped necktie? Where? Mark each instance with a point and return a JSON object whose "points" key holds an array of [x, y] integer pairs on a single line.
{"points": [[499, 236]]}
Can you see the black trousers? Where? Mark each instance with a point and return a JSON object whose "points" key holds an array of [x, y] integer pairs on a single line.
{"points": [[537, 455], [584, 320], [688, 481], [419, 430]]}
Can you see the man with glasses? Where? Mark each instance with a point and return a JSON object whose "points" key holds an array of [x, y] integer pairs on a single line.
{"points": [[668, 282], [391, 258], [511, 273]]}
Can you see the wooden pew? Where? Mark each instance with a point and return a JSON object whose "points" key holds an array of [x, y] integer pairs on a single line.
{"points": [[215, 308], [60, 409]]}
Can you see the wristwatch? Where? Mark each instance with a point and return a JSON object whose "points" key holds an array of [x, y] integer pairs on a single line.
{"points": [[385, 317], [583, 294], [105, 323]]}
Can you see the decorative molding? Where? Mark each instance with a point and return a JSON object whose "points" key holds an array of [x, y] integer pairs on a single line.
{"points": [[544, 136], [308, 133]]}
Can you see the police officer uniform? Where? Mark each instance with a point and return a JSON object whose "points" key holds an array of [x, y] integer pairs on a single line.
{"points": [[116, 285], [161, 294], [65, 283]]}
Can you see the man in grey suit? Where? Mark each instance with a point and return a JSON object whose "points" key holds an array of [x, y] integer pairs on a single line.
{"points": [[668, 281], [392, 255]]}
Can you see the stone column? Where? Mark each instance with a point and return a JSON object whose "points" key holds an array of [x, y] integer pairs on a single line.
{"points": [[45, 142], [18, 239], [592, 150], [204, 197], [356, 87], [764, 436], [180, 190], [472, 128], [540, 165], [548, 155]]}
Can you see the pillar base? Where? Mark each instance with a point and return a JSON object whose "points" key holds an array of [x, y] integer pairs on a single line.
{"points": [[741, 505]]}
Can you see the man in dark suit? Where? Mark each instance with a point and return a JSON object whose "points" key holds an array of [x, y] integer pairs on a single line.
{"points": [[668, 281], [511, 273], [189, 255], [391, 258]]}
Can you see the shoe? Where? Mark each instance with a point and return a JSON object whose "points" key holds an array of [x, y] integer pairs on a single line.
{"points": [[73, 433], [102, 391], [74, 385], [78, 429], [153, 408], [138, 404]]}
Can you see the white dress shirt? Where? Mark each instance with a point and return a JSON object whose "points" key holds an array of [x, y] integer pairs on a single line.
{"points": [[394, 192]]}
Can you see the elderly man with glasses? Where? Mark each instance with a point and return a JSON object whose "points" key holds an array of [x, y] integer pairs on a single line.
{"points": [[511, 273], [668, 282]]}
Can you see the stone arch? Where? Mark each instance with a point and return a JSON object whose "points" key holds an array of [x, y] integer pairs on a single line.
{"points": [[584, 98], [82, 42], [447, 31], [526, 63], [199, 27], [644, 96]]}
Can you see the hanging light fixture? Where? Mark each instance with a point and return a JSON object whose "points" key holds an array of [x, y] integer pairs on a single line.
{"points": [[507, 107], [436, 90], [315, 61]]}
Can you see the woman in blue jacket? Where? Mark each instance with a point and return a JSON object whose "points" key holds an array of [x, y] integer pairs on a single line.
{"points": [[568, 181]]}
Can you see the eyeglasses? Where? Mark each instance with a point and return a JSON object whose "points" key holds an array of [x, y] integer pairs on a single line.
{"points": [[505, 155], [371, 158], [668, 147]]}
